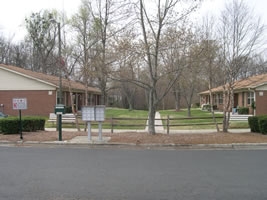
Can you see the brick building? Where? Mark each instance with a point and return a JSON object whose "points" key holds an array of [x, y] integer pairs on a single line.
{"points": [[246, 91], [41, 91]]}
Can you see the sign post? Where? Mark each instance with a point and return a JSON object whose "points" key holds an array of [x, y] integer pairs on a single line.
{"points": [[19, 104]]}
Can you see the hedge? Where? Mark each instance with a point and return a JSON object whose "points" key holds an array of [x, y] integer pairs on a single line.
{"points": [[10, 125], [263, 124], [253, 124], [243, 110], [258, 124]]}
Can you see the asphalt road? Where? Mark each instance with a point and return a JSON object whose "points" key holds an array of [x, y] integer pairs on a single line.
{"points": [[80, 173]]}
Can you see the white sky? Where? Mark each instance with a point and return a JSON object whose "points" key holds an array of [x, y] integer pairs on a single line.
{"points": [[13, 12]]}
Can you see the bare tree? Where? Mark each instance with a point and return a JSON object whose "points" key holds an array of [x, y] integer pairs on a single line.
{"points": [[208, 56], [241, 36], [106, 13], [5, 49], [191, 77], [83, 26], [127, 66], [153, 27], [178, 42]]}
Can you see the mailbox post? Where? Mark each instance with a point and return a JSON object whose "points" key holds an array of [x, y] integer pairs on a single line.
{"points": [[88, 115], [94, 113], [59, 110], [100, 117]]}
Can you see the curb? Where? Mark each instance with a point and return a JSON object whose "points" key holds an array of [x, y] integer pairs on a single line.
{"points": [[231, 146]]}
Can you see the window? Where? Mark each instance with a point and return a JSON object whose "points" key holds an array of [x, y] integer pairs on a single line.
{"points": [[250, 97], [220, 98], [243, 99], [215, 99]]}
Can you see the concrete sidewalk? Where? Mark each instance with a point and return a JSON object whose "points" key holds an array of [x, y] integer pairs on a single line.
{"points": [[158, 124], [193, 131]]}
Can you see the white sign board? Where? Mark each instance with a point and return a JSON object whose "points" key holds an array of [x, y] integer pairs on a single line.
{"points": [[100, 113], [88, 113], [19, 103]]}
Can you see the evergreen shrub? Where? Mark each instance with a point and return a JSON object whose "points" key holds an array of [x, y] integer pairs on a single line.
{"points": [[11, 125], [253, 124], [243, 110], [262, 121]]}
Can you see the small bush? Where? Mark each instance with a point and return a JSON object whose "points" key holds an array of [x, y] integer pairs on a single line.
{"points": [[262, 121], [29, 124], [68, 109], [243, 110], [0, 125], [206, 107], [196, 105], [10, 125], [253, 124]]}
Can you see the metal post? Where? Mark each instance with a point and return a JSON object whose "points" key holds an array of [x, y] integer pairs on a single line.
{"points": [[20, 125], [60, 83], [168, 124], [89, 131], [60, 127], [112, 124], [60, 63], [100, 131]]}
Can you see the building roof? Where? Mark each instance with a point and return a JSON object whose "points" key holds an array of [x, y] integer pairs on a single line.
{"points": [[48, 79], [245, 84]]}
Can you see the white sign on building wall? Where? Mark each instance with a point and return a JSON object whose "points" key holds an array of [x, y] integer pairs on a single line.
{"points": [[19, 103]]}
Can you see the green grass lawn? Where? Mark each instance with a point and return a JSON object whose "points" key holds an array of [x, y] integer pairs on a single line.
{"points": [[125, 113], [176, 119], [136, 120], [121, 118], [126, 119], [195, 112]]}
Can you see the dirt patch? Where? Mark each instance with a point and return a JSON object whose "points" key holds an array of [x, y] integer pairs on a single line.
{"points": [[209, 138], [145, 138]]}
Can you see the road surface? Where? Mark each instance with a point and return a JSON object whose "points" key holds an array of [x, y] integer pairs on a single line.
{"points": [[82, 173]]}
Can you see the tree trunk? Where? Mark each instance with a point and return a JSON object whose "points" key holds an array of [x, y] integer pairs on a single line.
{"points": [[225, 125], [212, 111], [130, 106], [151, 113], [72, 106], [188, 111], [214, 120], [177, 100], [226, 112], [151, 120]]}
